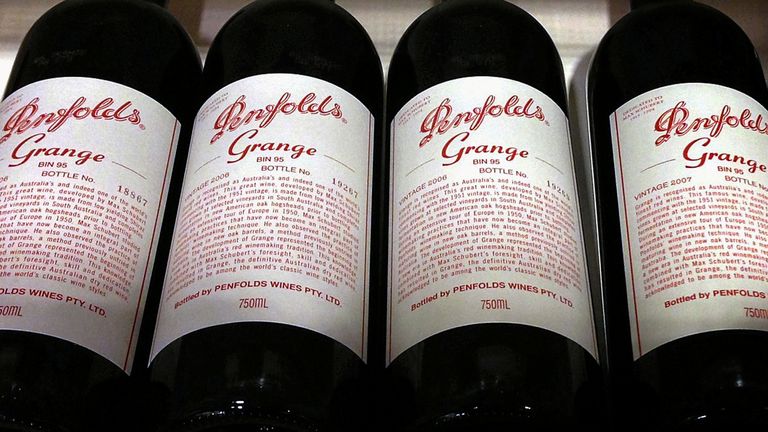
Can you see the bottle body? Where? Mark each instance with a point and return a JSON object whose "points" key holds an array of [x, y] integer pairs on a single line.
{"points": [[84, 111], [664, 320], [468, 113], [290, 132]]}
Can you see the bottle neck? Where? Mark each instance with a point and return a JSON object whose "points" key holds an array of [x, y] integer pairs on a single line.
{"points": [[637, 4]]}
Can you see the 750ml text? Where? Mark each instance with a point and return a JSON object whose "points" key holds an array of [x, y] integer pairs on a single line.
{"points": [[494, 304], [254, 303]]}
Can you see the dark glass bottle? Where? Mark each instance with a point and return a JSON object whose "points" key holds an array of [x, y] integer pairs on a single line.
{"points": [[708, 378], [488, 376], [47, 383], [253, 374]]}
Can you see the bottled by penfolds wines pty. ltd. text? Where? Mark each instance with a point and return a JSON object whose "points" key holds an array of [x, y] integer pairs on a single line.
{"points": [[490, 321], [90, 125], [263, 321], [680, 128]]}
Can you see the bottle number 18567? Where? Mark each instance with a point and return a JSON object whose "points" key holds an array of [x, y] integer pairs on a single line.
{"points": [[132, 195]]}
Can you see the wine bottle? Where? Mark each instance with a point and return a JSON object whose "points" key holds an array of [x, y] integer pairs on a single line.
{"points": [[490, 318], [263, 319], [96, 102], [678, 113]]}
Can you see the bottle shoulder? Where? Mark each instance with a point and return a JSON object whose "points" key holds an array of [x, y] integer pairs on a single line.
{"points": [[315, 38], [106, 23], [482, 16], [672, 44], [136, 44], [660, 25], [464, 38]]}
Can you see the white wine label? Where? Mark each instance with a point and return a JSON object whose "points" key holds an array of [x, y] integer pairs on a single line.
{"points": [[84, 172], [693, 205], [484, 217], [273, 223]]}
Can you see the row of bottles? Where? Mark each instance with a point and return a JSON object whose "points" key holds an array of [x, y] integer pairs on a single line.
{"points": [[234, 247]]}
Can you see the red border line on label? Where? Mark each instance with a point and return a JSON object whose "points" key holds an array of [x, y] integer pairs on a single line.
{"points": [[629, 241], [151, 243], [390, 299], [367, 238], [596, 351]]}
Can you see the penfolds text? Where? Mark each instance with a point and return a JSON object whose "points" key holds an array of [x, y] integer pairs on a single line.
{"points": [[29, 117], [676, 121], [442, 119], [239, 114]]}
